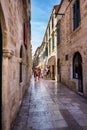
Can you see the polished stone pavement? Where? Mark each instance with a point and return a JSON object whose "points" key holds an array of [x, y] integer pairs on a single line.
{"points": [[48, 105]]}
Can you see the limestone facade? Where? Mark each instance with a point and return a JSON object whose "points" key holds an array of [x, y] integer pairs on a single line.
{"points": [[72, 49], [15, 28], [48, 50], [67, 57]]}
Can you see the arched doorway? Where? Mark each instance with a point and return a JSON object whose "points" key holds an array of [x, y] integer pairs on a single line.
{"points": [[77, 70], [51, 66]]}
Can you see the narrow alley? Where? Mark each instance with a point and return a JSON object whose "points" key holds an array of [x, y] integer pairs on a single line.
{"points": [[47, 38], [48, 105]]}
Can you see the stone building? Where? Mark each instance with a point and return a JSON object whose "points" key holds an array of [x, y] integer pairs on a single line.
{"points": [[72, 44], [50, 40], [15, 47], [48, 48], [36, 57], [65, 42]]}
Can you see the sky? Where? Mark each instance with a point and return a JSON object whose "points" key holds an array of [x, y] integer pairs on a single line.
{"points": [[40, 14]]}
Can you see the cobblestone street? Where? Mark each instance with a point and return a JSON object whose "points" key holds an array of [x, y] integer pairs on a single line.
{"points": [[48, 105]]}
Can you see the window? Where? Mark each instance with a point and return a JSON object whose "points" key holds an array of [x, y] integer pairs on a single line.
{"points": [[53, 42], [21, 55], [49, 31], [25, 34], [58, 35], [49, 46], [46, 51], [76, 14], [58, 63], [52, 23], [44, 55], [29, 26], [66, 57], [46, 37]]}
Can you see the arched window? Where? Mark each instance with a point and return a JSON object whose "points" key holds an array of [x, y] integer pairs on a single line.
{"points": [[21, 55], [77, 60]]}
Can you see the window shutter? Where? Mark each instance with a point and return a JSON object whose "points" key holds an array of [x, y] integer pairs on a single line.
{"points": [[53, 42], [76, 14], [58, 35], [46, 51], [25, 35], [74, 17]]}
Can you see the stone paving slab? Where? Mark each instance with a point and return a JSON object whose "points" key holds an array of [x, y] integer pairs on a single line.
{"points": [[48, 107]]}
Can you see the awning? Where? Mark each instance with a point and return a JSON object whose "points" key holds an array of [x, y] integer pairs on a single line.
{"points": [[39, 66]]}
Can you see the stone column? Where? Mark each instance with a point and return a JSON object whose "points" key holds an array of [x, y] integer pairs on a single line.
{"points": [[5, 95]]}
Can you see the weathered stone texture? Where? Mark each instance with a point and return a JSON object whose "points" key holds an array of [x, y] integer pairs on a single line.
{"points": [[12, 16], [71, 42]]}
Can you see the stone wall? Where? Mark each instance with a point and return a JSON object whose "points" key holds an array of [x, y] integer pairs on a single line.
{"points": [[12, 16], [71, 42]]}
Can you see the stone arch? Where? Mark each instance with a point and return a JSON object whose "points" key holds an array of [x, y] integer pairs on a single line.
{"points": [[51, 64], [78, 70]]}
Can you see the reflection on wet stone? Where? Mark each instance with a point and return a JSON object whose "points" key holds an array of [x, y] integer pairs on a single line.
{"points": [[51, 108]]}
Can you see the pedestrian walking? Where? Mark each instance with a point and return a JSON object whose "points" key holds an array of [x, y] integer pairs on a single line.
{"points": [[42, 72], [47, 72], [37, 74]]}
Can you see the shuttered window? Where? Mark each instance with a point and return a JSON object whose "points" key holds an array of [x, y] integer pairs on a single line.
{"points": [[58, 35], [53, 42], [46, 51], [49, 31], [25, 35], [76, 14], [49, 46], [52, 23]]}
